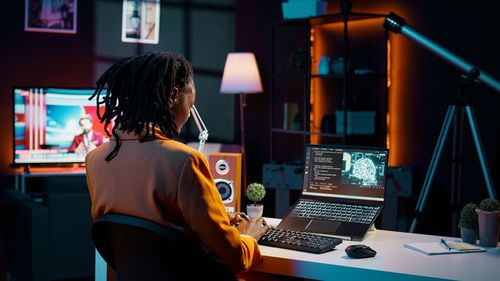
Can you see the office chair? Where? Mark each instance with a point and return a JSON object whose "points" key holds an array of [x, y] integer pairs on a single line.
{"points": [[138, 249]]}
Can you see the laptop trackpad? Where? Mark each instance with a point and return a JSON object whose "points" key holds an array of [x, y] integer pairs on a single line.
{"points": [[322, 226]]}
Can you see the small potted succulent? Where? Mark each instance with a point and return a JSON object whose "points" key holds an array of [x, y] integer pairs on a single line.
{"points": [[489, 222], [468, 223], [255, 193]]}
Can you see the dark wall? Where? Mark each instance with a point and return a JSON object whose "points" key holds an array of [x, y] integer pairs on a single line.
{"points": [[41, 60], [203, 32], [419, 98], [426, 84]]}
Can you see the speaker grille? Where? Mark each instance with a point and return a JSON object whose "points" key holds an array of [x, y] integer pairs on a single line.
{"points": [[225, 188]]}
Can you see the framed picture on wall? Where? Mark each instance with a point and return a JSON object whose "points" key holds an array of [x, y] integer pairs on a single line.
{"points": [[57, 16], [141, 21]]}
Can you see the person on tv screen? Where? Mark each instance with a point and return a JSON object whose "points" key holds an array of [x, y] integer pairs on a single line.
{"points": [[88, 140], [156, 177]]}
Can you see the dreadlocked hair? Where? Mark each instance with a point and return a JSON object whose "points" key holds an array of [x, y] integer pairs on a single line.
{"points": [[136, 93]]}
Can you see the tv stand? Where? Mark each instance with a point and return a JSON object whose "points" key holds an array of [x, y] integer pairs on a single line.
{"points": [[30, 171]]}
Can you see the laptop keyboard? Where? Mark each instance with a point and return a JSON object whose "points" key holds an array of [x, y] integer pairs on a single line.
{"points": [[299, 241], [335, 211]]}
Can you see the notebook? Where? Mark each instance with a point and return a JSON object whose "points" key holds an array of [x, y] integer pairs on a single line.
{"points": [[343, 191], [435, 248]]}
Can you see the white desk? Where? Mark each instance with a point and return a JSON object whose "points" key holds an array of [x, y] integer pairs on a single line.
{"points": [[392, 262]]}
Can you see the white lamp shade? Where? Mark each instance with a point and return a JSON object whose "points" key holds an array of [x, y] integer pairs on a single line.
{"points": [[241, 75]]}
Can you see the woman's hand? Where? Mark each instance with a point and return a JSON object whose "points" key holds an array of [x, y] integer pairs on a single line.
{"points": [[235, 218], [254, 227]]}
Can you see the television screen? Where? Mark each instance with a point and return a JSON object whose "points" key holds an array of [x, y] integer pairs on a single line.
{"points": [[55, 125]]}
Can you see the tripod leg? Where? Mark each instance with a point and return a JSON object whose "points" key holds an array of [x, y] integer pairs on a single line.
{"points": [[432, 167], [480, 152], [456, 167]]}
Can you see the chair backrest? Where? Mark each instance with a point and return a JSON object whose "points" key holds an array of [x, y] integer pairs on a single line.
{"points": [[138, 249]]}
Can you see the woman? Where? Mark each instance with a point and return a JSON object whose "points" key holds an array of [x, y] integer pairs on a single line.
{"points": [[144, 172]]}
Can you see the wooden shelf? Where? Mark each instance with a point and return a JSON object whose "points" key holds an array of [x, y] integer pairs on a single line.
{"points": [[297, 48], [330, 18], [329, 76], [301, 132]]}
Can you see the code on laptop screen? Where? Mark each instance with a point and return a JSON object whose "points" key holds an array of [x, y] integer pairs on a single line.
{"points": [[345, 172]]}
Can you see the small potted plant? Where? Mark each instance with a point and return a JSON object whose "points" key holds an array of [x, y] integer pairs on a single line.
{"points": [[489, 222], [468, 223], [255, 193]]}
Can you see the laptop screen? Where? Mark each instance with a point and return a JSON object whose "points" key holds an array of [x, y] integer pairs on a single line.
{"points": [[345, 172]]}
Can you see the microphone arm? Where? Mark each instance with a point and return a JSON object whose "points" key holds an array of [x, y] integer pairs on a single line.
{"points": [[203, 136], [397, 24]]}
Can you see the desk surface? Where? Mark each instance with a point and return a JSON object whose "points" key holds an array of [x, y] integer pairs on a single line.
{"points": [[392, 262]]}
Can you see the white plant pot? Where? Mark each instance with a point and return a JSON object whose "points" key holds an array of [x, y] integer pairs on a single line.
{"points": [[255, 210]]}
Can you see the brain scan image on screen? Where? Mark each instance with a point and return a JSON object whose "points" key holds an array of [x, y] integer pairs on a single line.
{"points": [[364, 169]]}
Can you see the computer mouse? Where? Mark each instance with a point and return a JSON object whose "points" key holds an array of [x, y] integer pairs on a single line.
{"points": [[360, 251]]}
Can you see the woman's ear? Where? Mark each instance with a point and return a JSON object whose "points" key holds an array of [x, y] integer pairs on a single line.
{"points": [[174, 97]]}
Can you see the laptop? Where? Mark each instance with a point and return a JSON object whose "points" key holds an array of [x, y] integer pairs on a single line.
{"points": [[343, 191]]}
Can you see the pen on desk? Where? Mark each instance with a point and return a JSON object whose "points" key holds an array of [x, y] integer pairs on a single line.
{"points": [[445, 245]]}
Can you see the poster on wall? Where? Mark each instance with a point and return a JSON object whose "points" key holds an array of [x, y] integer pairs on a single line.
{"points": [[57, 16], [141, 21]]}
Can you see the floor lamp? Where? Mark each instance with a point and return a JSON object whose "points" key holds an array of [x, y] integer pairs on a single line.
{"points": [[241, 76]]}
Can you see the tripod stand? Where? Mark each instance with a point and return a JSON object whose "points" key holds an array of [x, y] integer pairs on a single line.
{"points": [[458, 117]]}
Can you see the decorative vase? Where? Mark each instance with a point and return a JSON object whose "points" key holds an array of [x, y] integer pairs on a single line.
{"points": [[255, 210], [489, 227], [469, 235], [324, 65], [338, 66]]}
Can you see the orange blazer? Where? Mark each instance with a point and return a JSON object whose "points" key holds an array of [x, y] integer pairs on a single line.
{"points": [[166, 181]]}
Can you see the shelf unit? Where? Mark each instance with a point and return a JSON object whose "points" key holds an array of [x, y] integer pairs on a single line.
{"points": [[317, 99]]}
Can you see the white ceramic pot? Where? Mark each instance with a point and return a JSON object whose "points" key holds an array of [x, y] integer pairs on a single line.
{"points": [[255, 210]]}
